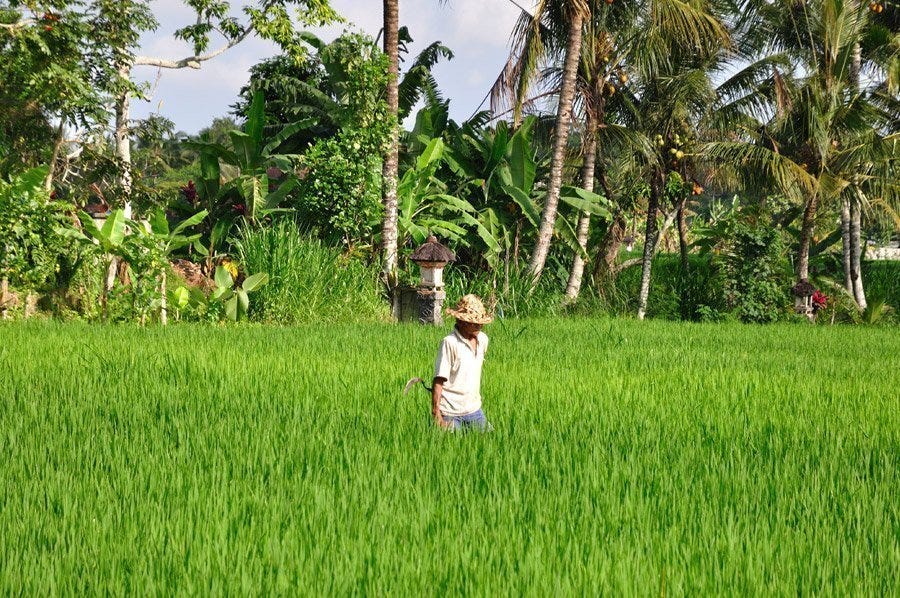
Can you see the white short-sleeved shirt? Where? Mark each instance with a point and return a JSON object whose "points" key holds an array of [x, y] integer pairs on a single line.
{"points": [[461, 366]]}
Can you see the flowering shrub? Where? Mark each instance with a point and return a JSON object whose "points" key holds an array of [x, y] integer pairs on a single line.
{"points": [[819, 300], [189, 193]]}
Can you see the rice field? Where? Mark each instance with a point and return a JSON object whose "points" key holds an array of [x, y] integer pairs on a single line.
{"points": [[627, 458]]}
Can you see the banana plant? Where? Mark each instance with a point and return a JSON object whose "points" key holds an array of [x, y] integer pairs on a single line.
{"points": [[145, 248], [498, 170], [235, 297], [161, 240], [251, 192], [424, 206], [580, 200]]}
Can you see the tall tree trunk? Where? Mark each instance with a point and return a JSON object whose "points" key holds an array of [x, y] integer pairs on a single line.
{"points": [[855, 269], [163, 300], [51, 170], [608, 253], [4, 290], [391, 158], [584, 221], [651, 236], [123, 156], [561, 135], [856, 255], [855, 65], [682, 233], [123, 138], [845, 243], [605, 264], [846, 233], [809, 215]]}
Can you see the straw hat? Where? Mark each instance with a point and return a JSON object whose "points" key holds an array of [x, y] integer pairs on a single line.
{"points": [[471, 309]]}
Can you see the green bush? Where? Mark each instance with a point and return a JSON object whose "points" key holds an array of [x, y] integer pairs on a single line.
{"points": [[754, 271], [340, 196], [308, 280], [31, 248], [672, 296], [339, 192]]}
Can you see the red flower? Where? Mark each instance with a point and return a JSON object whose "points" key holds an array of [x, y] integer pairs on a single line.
{"points": [[239, 208], [190, 192], [819, 300]]}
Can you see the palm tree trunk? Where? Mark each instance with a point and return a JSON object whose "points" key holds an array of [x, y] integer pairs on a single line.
{"points": [[604, 268], [123, 139], [389, 168], [845, 243], [561, 135], [651, 236], [856, 281], [856, 256], [584, 221], [809, 215]]}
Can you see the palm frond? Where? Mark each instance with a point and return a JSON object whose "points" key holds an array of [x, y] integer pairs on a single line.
{"points": [[789, 178]]}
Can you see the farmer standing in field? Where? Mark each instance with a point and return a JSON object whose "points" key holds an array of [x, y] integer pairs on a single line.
{"points": [[456, 390]]}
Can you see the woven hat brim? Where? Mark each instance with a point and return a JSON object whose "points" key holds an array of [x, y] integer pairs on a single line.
{"points": [[471, 318]]}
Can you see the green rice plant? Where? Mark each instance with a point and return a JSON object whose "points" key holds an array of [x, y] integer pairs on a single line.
{"points": [[307, 280], [627, 458]]}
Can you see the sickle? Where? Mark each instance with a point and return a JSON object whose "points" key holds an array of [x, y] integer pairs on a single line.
{"points": [[412, 382]]}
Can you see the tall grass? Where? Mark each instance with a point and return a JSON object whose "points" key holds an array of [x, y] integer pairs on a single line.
{"points": [[308, 280], [882, 281], [513, 298], [627, 458]]}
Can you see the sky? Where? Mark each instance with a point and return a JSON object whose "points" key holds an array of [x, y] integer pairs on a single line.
{"points": [[477, 31]]}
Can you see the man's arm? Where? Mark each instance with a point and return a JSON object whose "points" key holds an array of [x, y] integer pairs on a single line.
{"points": [[437, 387]]}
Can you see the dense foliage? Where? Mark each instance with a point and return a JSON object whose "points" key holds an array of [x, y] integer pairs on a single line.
{"points": [[32, 250], [667, 122]]}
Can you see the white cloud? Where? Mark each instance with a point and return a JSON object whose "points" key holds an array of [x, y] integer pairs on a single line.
{"points": [[476, 30]]}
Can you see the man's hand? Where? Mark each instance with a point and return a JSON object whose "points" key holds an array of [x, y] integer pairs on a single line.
{"points": [[441, 422], [437, 388]]}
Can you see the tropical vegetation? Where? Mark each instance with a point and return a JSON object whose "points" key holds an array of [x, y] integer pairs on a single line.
{"points": [[707, 129]]}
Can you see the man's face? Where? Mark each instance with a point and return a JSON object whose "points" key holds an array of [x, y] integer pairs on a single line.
{"points": [[468, 329]]}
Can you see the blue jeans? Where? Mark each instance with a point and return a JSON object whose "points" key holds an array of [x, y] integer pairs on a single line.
{"points": [[470, 421]]}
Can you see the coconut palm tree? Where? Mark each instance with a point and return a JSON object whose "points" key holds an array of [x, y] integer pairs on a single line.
{"points": [[676, 47], [551, 33], [570, 14], [391, 33], [655, 28], [391, 158], [824, 137], [600, 71]]}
